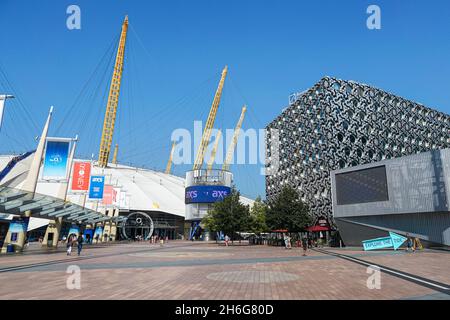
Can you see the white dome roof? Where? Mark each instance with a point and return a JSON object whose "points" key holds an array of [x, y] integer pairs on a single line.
{"points": [[148, 190]]}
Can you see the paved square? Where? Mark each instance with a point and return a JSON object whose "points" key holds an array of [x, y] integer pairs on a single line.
{"points": [[187, 270]]}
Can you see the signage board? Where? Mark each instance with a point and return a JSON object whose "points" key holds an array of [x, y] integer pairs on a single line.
{"points": [[74, 230], [116, 196], [206, 194], [96, 186], [81, 174], [108, 195], [56, 158], [124, 201], [394, 240]]}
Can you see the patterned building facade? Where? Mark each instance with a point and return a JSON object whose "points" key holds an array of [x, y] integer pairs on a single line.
{"points": [[338, 124]]}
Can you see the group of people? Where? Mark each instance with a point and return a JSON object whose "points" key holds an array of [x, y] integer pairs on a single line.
{"points": [[73, 240], [156, 239], [412, 244], [304, 243]]}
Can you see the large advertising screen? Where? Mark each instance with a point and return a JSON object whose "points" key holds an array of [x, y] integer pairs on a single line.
{"points": [[206, 194], [81, 174], [96, 187], [56, 157], [362, 186]]}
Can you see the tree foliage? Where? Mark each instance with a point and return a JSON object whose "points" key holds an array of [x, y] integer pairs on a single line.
{"points": [[258, 213], [287, 211], [229, 216]]}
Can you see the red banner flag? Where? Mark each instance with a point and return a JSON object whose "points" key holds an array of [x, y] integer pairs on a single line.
{"points": [[81, 174]]}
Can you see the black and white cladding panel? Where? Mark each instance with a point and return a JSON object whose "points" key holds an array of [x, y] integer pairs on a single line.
{"points": [[338, 124]]}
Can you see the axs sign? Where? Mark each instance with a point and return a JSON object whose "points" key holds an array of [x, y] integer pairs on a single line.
{"points": [[206, 194]]}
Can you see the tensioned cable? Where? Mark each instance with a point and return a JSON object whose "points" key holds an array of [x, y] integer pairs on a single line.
{"points": [[235, 85], [84, 88], [165, 144], [170, 110], [18, 97]]}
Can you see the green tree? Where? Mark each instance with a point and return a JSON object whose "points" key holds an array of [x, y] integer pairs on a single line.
{"points": [[258, 213], [229, 216], [287, 211]]}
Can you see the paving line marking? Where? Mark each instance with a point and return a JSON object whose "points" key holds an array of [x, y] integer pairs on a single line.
{"points": [[435, 284], [61, 261]]}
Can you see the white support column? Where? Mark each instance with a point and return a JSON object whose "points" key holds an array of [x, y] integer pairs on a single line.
{"points": [[33, 174], [30, 186], [54, 226]]}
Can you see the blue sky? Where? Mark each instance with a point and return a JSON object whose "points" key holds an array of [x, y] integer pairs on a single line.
{"points": [[177, 50]]}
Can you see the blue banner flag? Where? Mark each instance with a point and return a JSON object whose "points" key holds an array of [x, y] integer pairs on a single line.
{"points": [[56, 158], [74, 229], [96, 186]]}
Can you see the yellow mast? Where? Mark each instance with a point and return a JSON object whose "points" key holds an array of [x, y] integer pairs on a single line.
{"points": [[230, 151], [116, 150], [113, 100], [214, 150], [169, 163], [209, 123]]}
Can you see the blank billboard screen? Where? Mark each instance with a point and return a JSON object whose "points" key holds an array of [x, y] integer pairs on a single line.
{"points": [[362, 186]]}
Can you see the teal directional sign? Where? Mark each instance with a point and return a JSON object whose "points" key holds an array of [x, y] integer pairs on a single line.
{"points": [[394, 240]]}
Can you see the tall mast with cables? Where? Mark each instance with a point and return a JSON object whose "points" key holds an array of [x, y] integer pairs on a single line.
{"points": [[169, 163], [214, 151], [230, 151], [209, 123], [116, 151], [113, 100]]}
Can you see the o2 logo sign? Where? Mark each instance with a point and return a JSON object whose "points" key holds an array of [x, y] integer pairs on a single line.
{"points": [[206, 194]]}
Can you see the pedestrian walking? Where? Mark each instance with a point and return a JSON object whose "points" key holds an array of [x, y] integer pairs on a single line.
{"points": [[227, 239], [304, 245], [80, 241], [69, 245], [287, 242]]}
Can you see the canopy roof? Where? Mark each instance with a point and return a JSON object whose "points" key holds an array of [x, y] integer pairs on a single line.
{"points": [[17, 202]]}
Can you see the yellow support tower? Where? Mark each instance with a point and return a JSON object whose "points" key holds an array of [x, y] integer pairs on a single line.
{"points": [[116, 151], [230, 151], [169, 163], [113, 100], [214, 151], [209, 123]]}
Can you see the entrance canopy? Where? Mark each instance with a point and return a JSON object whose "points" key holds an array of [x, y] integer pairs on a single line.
{"points": [[17, 202]]}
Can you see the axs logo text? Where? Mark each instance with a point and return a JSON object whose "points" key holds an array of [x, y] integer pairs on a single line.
{"points": [[219, 194], [191, 194]]}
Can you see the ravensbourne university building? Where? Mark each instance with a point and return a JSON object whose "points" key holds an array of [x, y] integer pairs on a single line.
{"points": [[337, 125]]}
